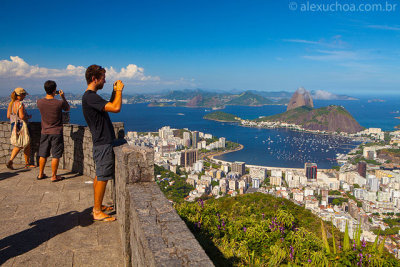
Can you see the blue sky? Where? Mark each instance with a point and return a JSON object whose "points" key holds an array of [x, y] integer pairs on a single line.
{"points": [[214, 45]]}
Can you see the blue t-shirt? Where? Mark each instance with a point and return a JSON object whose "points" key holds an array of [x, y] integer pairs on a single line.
{"points": [[97, 119]]}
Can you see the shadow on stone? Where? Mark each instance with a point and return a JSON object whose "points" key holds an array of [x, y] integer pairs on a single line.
{"points": [[77, 138], [6, 175], [42, 231], [73, 175]]}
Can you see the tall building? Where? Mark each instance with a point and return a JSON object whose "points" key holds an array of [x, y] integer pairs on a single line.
{"points": [[373, 183], [239, 167], [195, 139], [188, 157], [362, 168], [255, 182], [311, 170], [198, 166], [222, 142], [186, 139], [165, 132], [275, 181]]}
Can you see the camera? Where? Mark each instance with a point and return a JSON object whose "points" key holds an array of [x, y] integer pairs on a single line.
{"points": [[57, 92]]}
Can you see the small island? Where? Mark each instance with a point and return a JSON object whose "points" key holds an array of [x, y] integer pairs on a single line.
{"points": [[221, 117]]}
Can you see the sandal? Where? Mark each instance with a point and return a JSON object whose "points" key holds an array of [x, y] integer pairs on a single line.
{"points": [[105, 208], [58, 178], [27, 166], [9, 165], [105, 219], [41, 178]]}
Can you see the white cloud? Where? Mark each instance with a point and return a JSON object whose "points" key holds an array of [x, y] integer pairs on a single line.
{"points": [[301, 41], [131, 71], [335, 55], [334, 42], [384, 27], [16, 67]]}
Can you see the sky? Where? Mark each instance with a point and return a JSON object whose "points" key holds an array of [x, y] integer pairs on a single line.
{"points": [[344, 47]]}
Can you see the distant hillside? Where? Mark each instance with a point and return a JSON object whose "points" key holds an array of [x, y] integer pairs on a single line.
{"points": [[221, 116], [331, 118], [249, 99], [188, 94], [205, 101]]}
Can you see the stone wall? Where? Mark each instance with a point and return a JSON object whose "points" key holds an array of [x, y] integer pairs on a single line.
{"points": [[78, 148], [77, 155], [152, 232], [6, 147]]}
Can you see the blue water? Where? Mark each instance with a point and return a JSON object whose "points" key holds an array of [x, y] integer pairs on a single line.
{"points": [[288, 149]]}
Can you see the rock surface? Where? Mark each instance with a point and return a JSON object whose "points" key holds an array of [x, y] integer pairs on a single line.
{"points": [[300, 98]]}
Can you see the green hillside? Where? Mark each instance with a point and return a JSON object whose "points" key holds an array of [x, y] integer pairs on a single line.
{"points": [[262, 230], [331, 118], [249, 99], [221, 116]]}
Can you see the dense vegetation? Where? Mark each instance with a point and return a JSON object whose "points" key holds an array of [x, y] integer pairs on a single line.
{"points": [[359, 158], [261, 230], [291, 115], [172, 185], [221, 116]]}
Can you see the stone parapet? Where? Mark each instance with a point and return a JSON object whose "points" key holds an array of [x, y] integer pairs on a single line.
{"points": [[152, 232], [6, 147]]}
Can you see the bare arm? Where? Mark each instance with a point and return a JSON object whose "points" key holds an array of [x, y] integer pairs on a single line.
{"points": [[9, 110], [115, 103], [22, 113], [65, 100]]}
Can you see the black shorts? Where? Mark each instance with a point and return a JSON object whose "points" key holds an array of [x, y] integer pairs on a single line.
{"points": [[53, 143], [103, 156]]}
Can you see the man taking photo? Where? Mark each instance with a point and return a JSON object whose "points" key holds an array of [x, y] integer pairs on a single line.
{"points": [[95, 110], [51, 138]]}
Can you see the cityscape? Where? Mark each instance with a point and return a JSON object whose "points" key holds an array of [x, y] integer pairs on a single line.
{"points": [[356, 193]]}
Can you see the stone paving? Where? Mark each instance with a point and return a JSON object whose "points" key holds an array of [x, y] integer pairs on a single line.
{"points": [[50, 224]]}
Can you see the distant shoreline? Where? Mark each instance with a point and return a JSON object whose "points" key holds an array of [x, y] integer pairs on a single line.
{"points": [[260, 166], [212, 155]]}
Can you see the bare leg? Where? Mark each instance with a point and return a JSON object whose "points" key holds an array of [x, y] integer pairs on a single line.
{"points": [[94, 183], [42, 163], [99, 190], [27, 154], [14, 153], [54, 167]]}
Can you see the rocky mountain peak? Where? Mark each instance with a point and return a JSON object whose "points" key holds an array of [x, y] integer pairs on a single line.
{"points": [[301, 97]]}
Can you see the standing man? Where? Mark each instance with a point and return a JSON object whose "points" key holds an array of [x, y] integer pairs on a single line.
{"points": [[95, 110], [51, 138]]}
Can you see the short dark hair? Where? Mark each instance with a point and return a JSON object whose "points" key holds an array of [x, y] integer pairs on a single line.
{"points": [[94, 71], [50, 87]]}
